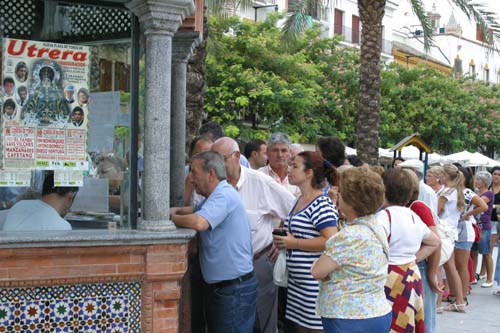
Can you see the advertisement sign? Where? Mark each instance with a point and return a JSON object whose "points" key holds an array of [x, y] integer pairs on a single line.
{"points": [[45, 105]]}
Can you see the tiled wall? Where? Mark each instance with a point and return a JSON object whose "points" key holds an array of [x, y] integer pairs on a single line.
{"points": [[97, 307], [92, 289]]}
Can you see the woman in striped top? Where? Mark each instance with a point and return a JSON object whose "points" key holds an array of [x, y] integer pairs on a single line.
{"points": [[311, 222]]}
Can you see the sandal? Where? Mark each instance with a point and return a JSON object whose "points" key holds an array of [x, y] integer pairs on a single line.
{"points": [[439, 310], [454, 307], [450, 299]]}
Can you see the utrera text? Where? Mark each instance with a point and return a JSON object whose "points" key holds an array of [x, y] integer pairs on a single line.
{"points": [[21, 47]]}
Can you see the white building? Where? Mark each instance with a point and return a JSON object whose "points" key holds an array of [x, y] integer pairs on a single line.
{"points": [[458, 42], [337, 17]]}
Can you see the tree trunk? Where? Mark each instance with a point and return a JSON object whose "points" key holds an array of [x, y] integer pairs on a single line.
{"points": [[371, 13], [196, 87]]}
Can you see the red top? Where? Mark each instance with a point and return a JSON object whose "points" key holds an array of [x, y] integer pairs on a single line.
{"points": [[424, 212]]}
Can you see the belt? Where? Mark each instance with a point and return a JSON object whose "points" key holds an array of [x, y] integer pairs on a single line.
{"points": [[262, 252], [227, 283]]}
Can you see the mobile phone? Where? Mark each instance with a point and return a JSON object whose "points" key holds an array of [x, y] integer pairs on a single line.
{"points": [[279, 232]]}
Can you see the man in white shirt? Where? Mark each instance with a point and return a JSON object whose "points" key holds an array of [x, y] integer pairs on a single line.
{"points": [[44, 214], [265, 201], [279, 155]]}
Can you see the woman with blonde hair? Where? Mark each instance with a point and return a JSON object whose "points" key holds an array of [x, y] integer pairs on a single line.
{"points": [[451, 204], [352, 270], [434, 177]]}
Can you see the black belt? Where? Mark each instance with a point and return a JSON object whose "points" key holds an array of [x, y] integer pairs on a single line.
{"points": [[227, 283]]}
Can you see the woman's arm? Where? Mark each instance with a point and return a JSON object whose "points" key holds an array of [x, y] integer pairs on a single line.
{"points": [[441, 202], [312, 244], [479, 207], [323, 266], [429, 245]]}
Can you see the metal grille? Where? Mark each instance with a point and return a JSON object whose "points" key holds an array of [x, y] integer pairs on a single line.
{"points": [[17, 17], [90, 21]]}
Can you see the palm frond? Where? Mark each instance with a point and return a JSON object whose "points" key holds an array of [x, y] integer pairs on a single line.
{"points": [[224, 7], [486, 20], [418, 8], [297, 21]]}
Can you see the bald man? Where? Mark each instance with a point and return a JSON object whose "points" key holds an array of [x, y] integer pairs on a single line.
{"points": [[265, 201]]}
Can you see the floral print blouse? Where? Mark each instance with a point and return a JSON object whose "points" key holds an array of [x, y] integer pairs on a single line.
{"points": [[355, 289]]}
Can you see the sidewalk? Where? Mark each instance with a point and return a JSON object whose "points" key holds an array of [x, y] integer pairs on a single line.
{"points": [[482, 316]]}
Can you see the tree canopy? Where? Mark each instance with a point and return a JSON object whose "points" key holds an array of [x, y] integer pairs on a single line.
{"points": [[258, 83]]}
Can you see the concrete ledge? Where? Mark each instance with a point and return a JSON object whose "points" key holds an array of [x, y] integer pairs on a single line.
{"points": [[86, 238]]}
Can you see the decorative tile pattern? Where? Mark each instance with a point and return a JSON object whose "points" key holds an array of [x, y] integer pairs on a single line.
{"points": [[84, 308]]}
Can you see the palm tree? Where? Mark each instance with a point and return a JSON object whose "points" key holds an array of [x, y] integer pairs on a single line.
{"points": [[371, 13], [196, 85]]}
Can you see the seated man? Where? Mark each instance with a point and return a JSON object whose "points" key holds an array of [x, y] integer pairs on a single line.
{"points": [[226, 256], [45, 213]]}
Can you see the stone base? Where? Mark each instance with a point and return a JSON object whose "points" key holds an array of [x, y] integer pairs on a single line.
{"points": [[159, 225]]}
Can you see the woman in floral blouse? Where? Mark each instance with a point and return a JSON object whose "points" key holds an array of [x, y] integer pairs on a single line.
{"points": [[353, 268]]}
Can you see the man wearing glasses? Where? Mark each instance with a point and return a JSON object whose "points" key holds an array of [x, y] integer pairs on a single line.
{"points": [[265, 201]]}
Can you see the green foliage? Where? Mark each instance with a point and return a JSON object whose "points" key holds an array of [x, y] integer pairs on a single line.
{"points": [[307, 88], [232, 131], [122, 132], [450, 115], [258, 84]]}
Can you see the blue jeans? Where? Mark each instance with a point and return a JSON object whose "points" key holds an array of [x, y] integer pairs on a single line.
{"points": [[380, 324], [232, 308], [430, 299]]}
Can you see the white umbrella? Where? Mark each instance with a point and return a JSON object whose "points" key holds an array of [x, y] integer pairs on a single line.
{"points": [[462, 156], [385, 153], [350, 151], [479, 159]]}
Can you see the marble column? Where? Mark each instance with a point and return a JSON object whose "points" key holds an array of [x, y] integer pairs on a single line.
{"points": [[160, 19], [183, 46]]}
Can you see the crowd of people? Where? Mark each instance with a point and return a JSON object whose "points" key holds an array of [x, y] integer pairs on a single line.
{"points": [[364, 246]]}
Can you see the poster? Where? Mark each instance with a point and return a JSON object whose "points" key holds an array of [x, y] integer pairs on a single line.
{"points": [[45, 105]]}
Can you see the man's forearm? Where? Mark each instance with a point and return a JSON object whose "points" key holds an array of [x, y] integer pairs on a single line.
{"points": [[191, 221]]}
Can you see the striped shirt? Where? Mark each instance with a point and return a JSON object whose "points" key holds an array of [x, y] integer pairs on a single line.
{"points": [[303, 289]]}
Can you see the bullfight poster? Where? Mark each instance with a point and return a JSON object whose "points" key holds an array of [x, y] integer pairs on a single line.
{"points": [[45, 105]]}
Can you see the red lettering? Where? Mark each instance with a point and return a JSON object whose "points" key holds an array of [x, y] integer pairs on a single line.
{"points": [[41, 52], [18, 49], [54, 54], [31, 50], [80, 56], [66, 54], [12, 45]]}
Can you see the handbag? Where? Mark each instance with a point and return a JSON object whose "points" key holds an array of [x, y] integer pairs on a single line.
{"points": [[477, 232], [280, 271], [447, 235]]}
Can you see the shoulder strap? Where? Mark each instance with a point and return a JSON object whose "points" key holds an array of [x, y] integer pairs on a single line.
{"points": [[390, 224], [379, 238]]}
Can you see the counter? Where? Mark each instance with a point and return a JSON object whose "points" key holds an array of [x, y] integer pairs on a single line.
{"points": [[94, 280]]}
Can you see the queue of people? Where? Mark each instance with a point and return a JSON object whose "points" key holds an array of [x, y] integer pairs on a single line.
{"points": [[362, 245]]}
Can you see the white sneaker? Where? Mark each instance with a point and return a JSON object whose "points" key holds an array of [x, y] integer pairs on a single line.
{"points": [[487, 285]]}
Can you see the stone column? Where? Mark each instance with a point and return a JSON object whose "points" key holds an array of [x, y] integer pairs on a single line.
{"points": [[161, 19], [183, 46]]}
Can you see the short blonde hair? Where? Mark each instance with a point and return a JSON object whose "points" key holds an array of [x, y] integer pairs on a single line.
{"points": [[362, 189]]}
